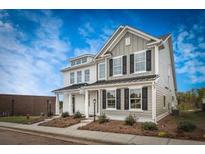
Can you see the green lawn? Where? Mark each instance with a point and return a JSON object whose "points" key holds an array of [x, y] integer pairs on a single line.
{"points": [[21, 119]]}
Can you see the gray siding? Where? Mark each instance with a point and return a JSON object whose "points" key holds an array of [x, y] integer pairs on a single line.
{"points": [[121, 114], [165, 84], [136, 44]]}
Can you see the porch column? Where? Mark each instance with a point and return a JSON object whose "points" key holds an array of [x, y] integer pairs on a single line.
{"points": [[154, 102], [86, 104], [57, 104], [70, 107]]}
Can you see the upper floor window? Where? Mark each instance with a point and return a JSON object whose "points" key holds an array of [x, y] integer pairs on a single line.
{"points": [[164, 101], [72, 78], [87, 75], [79, 76], [140, 62], [117, 66], [78, 61], [111, 95], [84, 60], [127, 41], [72, 63], [135, 99], [101, 71]]}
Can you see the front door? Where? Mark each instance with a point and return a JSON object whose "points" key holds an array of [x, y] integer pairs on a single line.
{"points": [[92, 97], [73, 103]]}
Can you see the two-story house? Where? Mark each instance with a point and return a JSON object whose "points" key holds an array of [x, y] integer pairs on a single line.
{"points": [[133, 73]]}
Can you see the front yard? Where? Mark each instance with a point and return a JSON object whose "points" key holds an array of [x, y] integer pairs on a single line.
{"points": [[167, 127], [22, 119], [61, 122]]}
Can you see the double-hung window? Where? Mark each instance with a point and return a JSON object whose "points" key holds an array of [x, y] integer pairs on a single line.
{"points": [[117, 65], [79, 76], [111, 101], [72, 78], [135, 98], [87, 75], [101, 71], [140, 62]]}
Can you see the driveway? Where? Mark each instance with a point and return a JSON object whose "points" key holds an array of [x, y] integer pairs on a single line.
{"points": [[16, 138]]}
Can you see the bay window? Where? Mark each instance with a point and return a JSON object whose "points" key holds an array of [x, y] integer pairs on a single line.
{"points": [[135, 98], [111, 101], [140, 62]]}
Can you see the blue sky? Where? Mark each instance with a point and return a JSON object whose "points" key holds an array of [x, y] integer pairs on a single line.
{"points": [[35, 44]]}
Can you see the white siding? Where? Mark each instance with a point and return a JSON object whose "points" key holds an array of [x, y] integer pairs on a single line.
{"points": [[66, 75]]}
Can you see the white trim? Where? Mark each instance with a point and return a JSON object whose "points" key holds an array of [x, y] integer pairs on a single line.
{"points": [[161, 116], [138, 52], [99, 71], [140, 100], [108, 41], [70, 77], [77, 76], [107, 99], [133, 31], [154, 103], [117, 57]]}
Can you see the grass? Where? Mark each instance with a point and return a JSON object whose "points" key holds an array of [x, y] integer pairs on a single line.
{"points": [[21, 119]]}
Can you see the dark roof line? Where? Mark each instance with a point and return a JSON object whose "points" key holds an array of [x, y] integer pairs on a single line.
{"points": [[105, 82]]}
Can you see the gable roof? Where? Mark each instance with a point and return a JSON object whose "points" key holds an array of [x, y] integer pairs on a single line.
{"points": [[121, 31]]}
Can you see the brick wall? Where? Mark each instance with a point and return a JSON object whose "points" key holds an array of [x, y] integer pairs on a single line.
{"points": [[26, 104]]}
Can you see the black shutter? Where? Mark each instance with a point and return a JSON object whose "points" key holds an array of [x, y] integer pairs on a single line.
{"points": [[111, 67], [131, 63], [149, 60], [118, 99], [124, 60], [126, 93], [144, 98], [104, 99]]}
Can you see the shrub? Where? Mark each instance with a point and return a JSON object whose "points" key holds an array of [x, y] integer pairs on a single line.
{"points": [[162, 134], [186, 126], [149, 126], [65, 114], [130, 120], [103, 118], [77, 115]]}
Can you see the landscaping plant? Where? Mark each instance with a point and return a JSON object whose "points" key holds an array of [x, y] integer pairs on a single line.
{"points": [[65, 114], [149, 126], [78, 115], [130, 120], [186, 126], [103, 118], [162, 134]]}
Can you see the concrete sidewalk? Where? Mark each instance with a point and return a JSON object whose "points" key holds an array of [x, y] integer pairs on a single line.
{"points": [[104, 137]]}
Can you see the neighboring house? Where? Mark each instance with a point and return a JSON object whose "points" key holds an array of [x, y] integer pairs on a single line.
{"points": [[133, 73]]}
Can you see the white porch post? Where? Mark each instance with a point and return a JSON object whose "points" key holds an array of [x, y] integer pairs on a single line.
{"points": [[70, 109], [86, 104], [57, 104], [154, 102]]}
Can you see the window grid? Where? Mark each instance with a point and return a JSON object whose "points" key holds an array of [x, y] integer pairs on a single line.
{"points": [[79, 76], [111, 99], [135, 98], [72, 78], [87, 75], [140, 62], [117, 66]]}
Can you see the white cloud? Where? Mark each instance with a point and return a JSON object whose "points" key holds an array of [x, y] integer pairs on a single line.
{"points": [[94, 43], [190, 52], [32, 69]]}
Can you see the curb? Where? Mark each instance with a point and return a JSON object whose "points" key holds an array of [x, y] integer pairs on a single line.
{"points": [[68, 138]]}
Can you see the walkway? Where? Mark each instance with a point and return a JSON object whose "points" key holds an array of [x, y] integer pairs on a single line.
{"points": [[98, 137]]}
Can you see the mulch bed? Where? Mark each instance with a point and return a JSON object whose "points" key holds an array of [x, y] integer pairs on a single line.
{"points": [[167, 125], [62, 122]]}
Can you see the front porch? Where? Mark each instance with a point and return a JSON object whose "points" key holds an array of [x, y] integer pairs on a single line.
{"points": [[85, 101]]}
